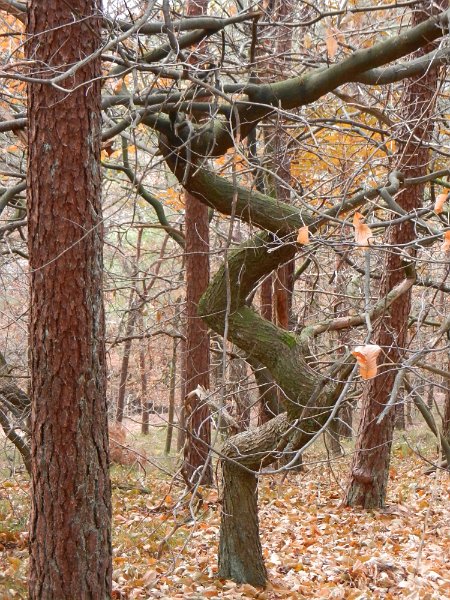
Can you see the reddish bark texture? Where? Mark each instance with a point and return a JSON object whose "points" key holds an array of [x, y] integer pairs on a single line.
{"points": [[266, 298], [70, 534], [369, 474], [196, 414], [283, 281], [197, 419]]}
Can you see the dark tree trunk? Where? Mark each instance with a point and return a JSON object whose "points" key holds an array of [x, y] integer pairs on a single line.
{"points": [[341, 424], [370, 469], [181, 434], [172, 389], [133, 314], [70, 532], [240, 552], [132, 317], [145, 402], [129, 329], [147, 405], [196, 449]]}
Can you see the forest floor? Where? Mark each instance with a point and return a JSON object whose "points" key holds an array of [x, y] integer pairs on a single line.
{"points": [[314, 547]]}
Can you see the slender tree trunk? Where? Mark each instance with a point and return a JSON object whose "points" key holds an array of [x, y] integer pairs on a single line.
{"points": [[173, 374], [133, 311], [196, 450], [70, 532], [284, 277], [172, 386], [133, 314], [145, 402], [181, 434], [370, 469], [337, 425]]}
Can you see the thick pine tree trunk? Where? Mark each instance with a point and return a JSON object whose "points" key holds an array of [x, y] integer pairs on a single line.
{"points": [[196, 413], [70, 533], [370, 469]]}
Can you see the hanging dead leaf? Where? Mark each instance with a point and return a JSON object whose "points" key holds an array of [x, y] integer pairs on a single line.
{"points": [[363, 233], [440, 201], [331, 43], [303, 235], [366, 357], [446, 244]]}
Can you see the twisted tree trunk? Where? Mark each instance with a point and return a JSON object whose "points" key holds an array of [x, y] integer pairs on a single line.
{"points": [[308, 395]]}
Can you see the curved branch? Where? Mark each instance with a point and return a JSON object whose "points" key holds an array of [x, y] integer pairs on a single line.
{"points": [[256, 208], [176, 235]]}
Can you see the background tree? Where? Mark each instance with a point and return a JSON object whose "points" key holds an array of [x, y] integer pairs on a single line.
{"points": [[370, 469], [197, 464]]}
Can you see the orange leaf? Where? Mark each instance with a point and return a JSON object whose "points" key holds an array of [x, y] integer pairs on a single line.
{"points": [[331, 42], [438, 205], [366, 357], [363, 233], [446, 244], [303, 235]]}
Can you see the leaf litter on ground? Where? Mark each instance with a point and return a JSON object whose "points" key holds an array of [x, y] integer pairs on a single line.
{"points": [[313, 546]]}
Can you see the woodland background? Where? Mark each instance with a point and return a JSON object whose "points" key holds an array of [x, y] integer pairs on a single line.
{"points": [[276, 237]]}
